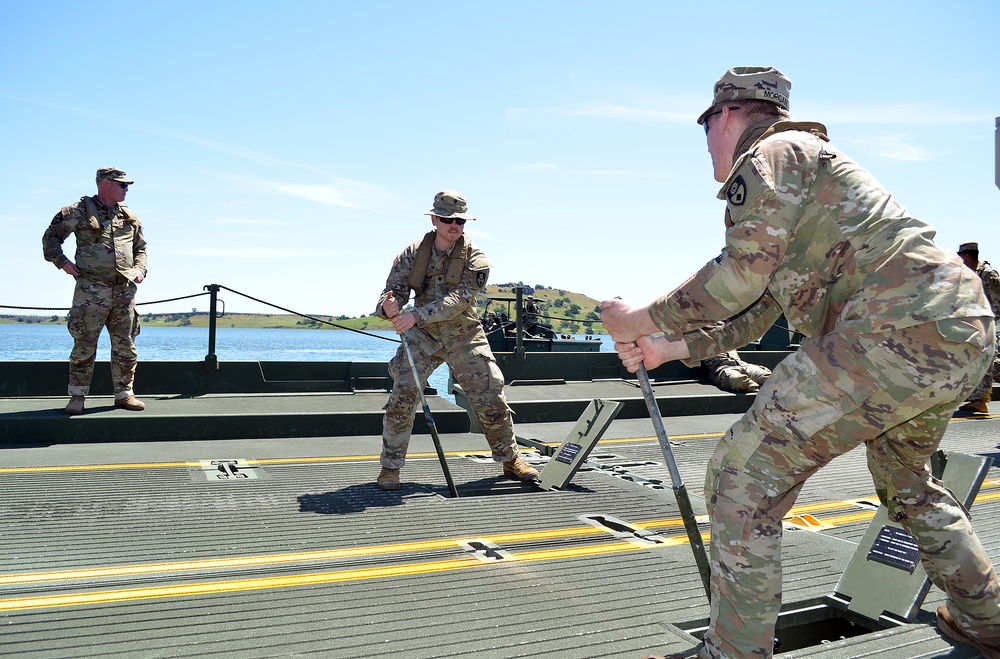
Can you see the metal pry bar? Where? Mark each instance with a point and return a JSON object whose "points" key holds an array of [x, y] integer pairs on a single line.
{"points": [[680, 492], [430, 419]]}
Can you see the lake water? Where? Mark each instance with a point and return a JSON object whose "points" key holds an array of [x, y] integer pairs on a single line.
{"points": [[30, 342]]}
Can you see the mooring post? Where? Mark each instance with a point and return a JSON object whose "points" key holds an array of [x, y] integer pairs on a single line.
{"points": [[211, 360], [518, 324]]}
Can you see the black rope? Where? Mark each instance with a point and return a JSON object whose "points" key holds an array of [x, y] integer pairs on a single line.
{"points": [[569, 320], [173, 299], [10, 306], [318, 320]]}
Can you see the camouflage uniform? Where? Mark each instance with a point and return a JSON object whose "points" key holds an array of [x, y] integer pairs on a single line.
{"points": [[730, 373], [110, 250], [991, 285], [448, 331], [898, 333]]}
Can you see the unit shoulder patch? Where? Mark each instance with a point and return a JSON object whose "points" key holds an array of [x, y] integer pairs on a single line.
{"points": [[736, 193]]}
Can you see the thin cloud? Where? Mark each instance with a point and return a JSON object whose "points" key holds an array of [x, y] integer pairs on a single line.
{"points": [[625, 113], [908, 114], [554, 169], [272, 236], [238, 220], [895, 147], [536, 167], [340, 192], [251, 253]]}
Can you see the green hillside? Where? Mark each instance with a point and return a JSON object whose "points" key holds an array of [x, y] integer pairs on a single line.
{"points": [[571, 313]]}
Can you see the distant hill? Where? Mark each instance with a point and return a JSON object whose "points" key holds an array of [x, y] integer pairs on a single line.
{"points": [[568, 313]]}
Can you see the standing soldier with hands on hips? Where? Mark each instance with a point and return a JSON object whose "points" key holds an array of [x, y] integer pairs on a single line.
{"points": [[897, 330], [110, 262], [447, 273]]}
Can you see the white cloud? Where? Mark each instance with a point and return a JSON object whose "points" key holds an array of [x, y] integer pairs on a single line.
{"points": [[250, 253], [895, 147], [625, 113], [240, 220]]}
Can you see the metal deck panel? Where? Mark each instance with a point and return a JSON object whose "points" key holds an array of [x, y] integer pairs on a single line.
{"points": [[572, 592]]}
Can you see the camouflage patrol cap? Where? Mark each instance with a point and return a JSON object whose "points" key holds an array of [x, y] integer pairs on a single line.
{"points": [[968, 248], [450, 203], [763, 83], [113, 174]]}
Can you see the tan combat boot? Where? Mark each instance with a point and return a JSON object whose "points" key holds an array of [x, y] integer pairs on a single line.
{"points": [[520, 470], [975, 406], [388, 479], [130, 403], [75, 405], [950, 628]]}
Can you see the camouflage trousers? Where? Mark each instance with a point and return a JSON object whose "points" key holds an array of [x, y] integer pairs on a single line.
{"points": [[482, 383], [894, 392], [96, 306]]}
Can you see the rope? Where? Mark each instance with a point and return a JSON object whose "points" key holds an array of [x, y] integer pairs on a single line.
{"points": [[318, 320], [569, 320], [10, 306], [173, 299]]}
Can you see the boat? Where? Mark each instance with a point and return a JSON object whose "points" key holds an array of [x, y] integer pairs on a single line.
{"points": [[238, 514], [524, 333]]}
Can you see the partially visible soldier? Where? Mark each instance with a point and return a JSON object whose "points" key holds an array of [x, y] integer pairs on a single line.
{"points": [[110, 261], [976, 403], [447, 273], [898, 332], [530, 315], [730, 373]]}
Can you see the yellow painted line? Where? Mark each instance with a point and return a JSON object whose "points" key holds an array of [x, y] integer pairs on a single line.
{"points": [[299, 557], [196, 464], [312, 579], [328, 577]]}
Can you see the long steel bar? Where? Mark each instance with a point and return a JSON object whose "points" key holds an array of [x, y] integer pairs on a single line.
{"points": [[430, 419], [677, 483]]}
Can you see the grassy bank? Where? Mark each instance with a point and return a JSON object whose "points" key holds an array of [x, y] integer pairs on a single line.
{"points": [[568, 312]]}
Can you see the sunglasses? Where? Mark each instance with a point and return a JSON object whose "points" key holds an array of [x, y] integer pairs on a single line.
{"points": [[124, 186], [451, 220], [712, 114]]}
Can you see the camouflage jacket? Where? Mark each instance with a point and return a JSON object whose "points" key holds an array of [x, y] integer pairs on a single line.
{"points": [[446, 312], [108, 242], [813, 235], [991, 284]]}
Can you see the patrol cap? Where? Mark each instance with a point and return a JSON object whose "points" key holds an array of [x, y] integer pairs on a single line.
{"points": [[113, 174], [450, 203], [763, 83], [968, 248]]}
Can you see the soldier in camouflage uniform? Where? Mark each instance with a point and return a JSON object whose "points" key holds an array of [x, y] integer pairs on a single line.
{"points": [[730, 373], [447, 273], [110, 262], [897, 331], [991, 284]]}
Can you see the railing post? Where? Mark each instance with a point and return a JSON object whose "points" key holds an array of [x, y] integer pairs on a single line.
{"points": [[211, 360], [519, 324]]}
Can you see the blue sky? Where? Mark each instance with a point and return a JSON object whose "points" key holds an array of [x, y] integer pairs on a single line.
{"points": [[289, 149]]}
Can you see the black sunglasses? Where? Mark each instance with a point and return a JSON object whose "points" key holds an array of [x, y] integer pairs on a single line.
{"points": [[451, 220], [712, 114], [124, 186]]}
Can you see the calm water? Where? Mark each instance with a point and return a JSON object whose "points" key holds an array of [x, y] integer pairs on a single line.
{"points": [[47, 342]]}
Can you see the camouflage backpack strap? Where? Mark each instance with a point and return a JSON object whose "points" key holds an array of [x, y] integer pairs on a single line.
{"points": [[456, 262], [91, 212], [418, 271], [130, 217]]}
